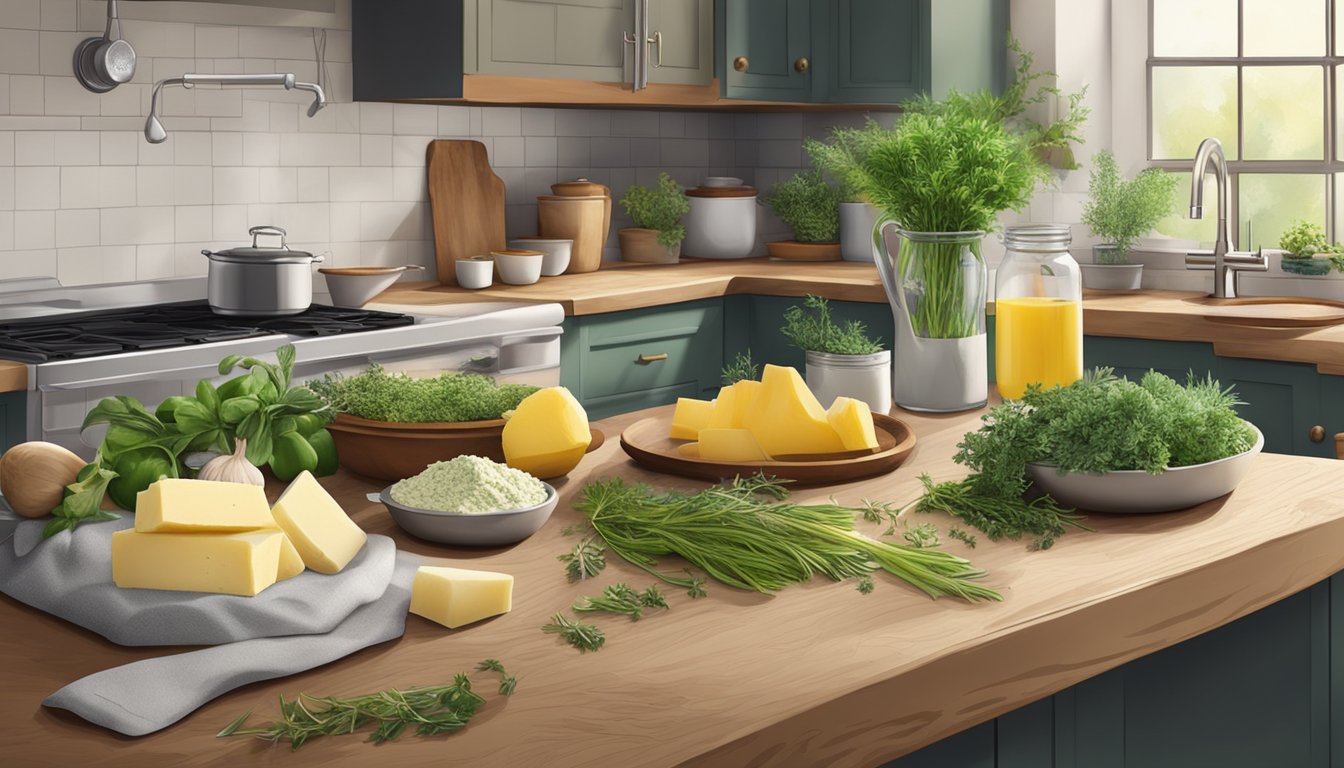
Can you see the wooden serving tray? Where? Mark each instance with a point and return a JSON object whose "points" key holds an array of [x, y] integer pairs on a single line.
{"points": [[647, 442]]}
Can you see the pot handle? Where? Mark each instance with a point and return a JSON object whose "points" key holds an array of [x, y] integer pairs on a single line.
{"points": [[269, 230]]}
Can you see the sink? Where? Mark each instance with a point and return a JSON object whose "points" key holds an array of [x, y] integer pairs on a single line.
{"points": [[1271, 311]]}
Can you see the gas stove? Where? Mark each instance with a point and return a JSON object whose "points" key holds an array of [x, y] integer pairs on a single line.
{"points": [[157, 339]]}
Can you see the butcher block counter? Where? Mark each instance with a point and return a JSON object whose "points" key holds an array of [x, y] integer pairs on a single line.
{"points": [[816, 675]]}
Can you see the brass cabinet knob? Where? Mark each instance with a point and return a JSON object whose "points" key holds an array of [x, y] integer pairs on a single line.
{"points": [[741, 63], [1317, 434], [801, 65]]}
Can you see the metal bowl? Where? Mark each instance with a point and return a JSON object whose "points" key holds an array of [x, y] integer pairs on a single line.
{"points": [[1136, 491], [487, 529]]}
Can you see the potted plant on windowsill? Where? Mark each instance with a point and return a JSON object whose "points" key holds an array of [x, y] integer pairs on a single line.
{"points": [[837, 158], [1120, 211], [842, 360], [1307, 252], [658, 232], [811, 208]]}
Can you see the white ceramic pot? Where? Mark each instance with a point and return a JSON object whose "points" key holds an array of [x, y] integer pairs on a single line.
{"points": [[721, 223], [856, 231], [862, 377], [940, 375], [1112, 277], [357, 286], [518, 267], [556, 252], [474, 274]]}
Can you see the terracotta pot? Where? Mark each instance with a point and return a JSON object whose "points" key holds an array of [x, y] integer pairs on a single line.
{"points": [[792, 250], [642, 246]]}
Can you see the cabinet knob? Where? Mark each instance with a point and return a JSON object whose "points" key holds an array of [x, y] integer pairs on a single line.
{"points": [[741, 63], [801, 65], [1317, 434], [1339, 445], [646, 359]]}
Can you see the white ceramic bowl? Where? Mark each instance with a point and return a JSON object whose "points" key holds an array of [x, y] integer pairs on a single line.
{"points": [[491, 529], [556, 253], [475, 273], [720, 227], [357, 286], [1135, 491], [518, 267]]}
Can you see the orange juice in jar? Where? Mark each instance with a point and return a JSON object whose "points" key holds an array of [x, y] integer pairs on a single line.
{"points": [[1038, 311]]}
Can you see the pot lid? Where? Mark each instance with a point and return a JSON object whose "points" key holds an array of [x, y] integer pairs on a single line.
{"points": [[742, 191], [259, 254], [580, 188]]}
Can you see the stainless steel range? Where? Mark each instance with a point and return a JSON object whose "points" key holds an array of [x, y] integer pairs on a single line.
{"points": [[153, 340]]}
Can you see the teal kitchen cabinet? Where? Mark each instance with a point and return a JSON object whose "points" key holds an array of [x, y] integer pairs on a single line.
{"points": [[859, 51], [13, 419], [583, 39], [624, 361]]}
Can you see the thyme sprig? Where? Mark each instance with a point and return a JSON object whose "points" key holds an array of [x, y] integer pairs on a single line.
{"points": [[507, 682], [431, 711], [620, 598], [586, 560], [585, 637]]}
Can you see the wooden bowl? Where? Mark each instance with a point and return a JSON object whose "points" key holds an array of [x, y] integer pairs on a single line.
{"points": [[387, 450]]}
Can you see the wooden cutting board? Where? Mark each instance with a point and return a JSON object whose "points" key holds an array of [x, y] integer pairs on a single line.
{"points": [[466, 199]]}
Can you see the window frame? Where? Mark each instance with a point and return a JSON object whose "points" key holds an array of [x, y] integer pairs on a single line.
{"points": [[1332, 64]]}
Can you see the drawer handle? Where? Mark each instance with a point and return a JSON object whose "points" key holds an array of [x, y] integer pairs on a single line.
{"points": [[646, 359]]}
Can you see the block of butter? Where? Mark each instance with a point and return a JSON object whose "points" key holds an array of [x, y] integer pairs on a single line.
{"points": [[291, 562], [325, 537], [456, 596], [175, 505], [227, 563]]}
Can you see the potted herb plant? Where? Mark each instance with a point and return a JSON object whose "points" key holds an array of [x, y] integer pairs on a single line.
{"points": [[1120, 211], [837, 158], [811, 208], [1307, 252], [842, 360], [658, 232]]}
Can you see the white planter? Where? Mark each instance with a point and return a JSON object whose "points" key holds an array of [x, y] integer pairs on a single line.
{"points": [[862, 377], [939, 375], [720, 227], [1112, 277], [856, 231]]}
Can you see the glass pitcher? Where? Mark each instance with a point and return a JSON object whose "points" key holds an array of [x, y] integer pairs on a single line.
{"points": [[1038, 311]]}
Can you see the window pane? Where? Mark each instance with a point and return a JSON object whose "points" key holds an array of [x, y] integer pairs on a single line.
{"points": [[1190, 103], [1283, 111], [1271, 202], [1282, 27], [1194, 27], [1179, 225]]}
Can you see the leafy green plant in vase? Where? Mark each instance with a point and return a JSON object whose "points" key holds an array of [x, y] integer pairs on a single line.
{"points": [[1120, 211], [837, 158], [658, 232], [811, 208], [843, 360], [1307, 252]]}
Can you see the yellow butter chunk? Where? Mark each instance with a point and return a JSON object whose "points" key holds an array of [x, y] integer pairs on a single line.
{"points": [[174, 505], [547, 434], [733, 404], [226, 563], [786, 417], [730, 445], [689, 450], [291, 562], [852, 420], [325, 537], [456, 596], [690, 417]]}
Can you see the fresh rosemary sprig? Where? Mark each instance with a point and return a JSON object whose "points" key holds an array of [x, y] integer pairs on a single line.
{"points": [[619, 598], [745, 535], [586, 561], [865, 584], [585, 637], [507, 682], [433, 710]]}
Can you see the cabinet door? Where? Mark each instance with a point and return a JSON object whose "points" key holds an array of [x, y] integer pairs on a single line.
{"points": [[873, 50], [687, 29], [576, 39], [13, 419], [1282, 399], [1132, 358], [761, 46]]}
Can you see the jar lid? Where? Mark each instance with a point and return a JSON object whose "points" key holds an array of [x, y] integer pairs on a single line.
{"points": [[1038, 237], [579, 188], [742, 191]]}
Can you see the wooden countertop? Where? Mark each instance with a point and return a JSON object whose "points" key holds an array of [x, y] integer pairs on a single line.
{"points": [[13, 376], [819, 672]]}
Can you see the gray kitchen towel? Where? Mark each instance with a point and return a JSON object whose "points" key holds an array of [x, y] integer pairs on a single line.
{"points": [[70, 576], [145, 696]]}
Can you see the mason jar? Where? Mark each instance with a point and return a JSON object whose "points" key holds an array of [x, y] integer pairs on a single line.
{"points": [[1038, 311]]}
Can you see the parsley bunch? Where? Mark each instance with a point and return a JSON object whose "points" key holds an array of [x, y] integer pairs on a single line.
{"points": [[381, 396]]}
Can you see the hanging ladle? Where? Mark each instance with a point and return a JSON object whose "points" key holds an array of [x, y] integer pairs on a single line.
{"points": [[103, 63]]}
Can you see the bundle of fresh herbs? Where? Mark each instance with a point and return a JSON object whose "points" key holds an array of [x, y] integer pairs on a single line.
{"points": [[746, 534], [1100, 423], [378, 395], [808, 205], [811, 328]]}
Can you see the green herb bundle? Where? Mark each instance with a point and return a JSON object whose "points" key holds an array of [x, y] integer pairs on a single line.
{"points": [[742, 368], [843, 154], [378, 395], [746, 535], [1121, 211], [659, 207], [811, 327], [808, 205]]}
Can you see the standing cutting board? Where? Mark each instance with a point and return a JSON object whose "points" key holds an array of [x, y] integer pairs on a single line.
{"points": [[466, 199]]}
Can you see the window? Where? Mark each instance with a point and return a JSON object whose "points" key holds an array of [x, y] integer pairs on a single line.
{"points": [[1261, 76]]}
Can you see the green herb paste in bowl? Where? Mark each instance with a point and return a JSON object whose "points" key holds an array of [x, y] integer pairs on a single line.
{"points": [[469, 485]]}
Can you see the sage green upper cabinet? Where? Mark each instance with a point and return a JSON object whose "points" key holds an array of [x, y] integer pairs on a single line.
{"points": [[584, 39], [860, 51], [766, 49]]}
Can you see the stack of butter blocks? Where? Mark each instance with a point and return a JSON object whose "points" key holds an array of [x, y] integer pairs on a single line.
{"points": [[205, 536]]}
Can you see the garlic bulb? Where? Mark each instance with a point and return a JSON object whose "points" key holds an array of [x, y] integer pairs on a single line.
{"points": [[232, 468]]}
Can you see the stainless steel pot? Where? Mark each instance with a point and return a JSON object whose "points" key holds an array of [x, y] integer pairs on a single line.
{"points": [[260, 280]]}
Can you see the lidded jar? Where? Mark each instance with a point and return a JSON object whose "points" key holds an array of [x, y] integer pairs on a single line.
{"points": [[1038, 311]]}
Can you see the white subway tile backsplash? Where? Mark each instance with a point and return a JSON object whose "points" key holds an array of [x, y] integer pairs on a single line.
{"points": [[375, 149], [261, 149], [21, 14], [189, 147], [34, 230], [278, 185], [216, 42], [312, 185], [414, 120], [230, 223], [502, 121], [58, 14], [65, 96], [508, 152], [632, 123], [330, 149], [193, 222], [454, 121], [154, 185], [409, 151], [75, 148], [540, 151], [361, 184], [116, 186], [226, 148], [37, 188], [155, 262], [236, 185], [536, 121], [409, 183], [7, 188], [344, 222], [375, 118], [79, 187], [76, 227], [285, 118], [193, 185], [19, 50], [27, 94], [6, 233], [161, 39]]}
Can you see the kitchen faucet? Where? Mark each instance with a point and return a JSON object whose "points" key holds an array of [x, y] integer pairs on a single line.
{"points": [[1225, 265]]}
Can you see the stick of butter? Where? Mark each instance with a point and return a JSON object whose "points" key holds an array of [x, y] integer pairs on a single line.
{"points": [[326, 538], [456, 596], [177, 505], [226, 563]]}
